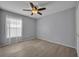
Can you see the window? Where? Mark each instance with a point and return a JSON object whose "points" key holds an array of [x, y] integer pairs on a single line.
{"points": [[14, 27]]}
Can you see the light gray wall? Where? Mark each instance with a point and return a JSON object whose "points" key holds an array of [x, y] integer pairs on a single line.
{"points": [[2, 26], [58, 28], [28, 28]]}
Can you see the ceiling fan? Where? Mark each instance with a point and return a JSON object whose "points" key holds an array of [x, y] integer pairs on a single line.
{"points": [[35, 9]]}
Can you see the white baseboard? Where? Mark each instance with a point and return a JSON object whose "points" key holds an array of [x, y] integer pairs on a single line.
{"points": [[56, 42]]}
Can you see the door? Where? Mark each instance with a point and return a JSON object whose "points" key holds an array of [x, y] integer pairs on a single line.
{"points": [[77, 27]]}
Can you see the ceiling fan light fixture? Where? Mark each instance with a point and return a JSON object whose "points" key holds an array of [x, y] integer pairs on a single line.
{"points": [[34, 11]]}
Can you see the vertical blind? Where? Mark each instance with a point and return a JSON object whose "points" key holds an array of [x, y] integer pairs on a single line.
{"points": [[14, 27]]}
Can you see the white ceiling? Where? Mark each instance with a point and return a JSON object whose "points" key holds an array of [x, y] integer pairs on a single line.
{"points": [[51, 7]]}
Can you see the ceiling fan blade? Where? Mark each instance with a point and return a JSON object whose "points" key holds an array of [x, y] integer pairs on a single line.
{"points": [[31, 13], [39, 13], [26, 10], [31, 4], [35, 7], [40, 9]]}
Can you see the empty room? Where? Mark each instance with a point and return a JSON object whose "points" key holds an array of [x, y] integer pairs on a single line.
{"points": [[39, 28]]}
